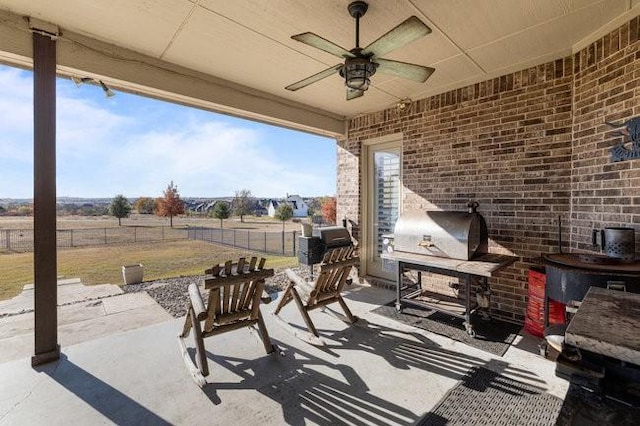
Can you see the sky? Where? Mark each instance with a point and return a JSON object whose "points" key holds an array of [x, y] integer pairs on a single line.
{"points": [[135, 146]]}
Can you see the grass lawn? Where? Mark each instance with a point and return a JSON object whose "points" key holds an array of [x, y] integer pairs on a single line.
{"points": [[103, 264]]}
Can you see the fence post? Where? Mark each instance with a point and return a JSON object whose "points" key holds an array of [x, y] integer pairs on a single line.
{"points": [[163, 232], [71, 237], [8, 231], [294, 243], [105, 236]]}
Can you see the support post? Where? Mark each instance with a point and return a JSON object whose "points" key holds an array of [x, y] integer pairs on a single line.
{"points": [[293, 237], [46, 348]]}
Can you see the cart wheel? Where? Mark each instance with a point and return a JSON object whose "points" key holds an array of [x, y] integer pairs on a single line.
{"points": [[470, 331], [544, 349]]}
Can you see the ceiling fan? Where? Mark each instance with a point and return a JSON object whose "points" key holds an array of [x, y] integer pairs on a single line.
{"points": [[361, 63]]}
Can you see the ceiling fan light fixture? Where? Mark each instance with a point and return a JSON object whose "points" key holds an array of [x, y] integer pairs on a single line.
{"points": [[361, 63], [357, 73]]}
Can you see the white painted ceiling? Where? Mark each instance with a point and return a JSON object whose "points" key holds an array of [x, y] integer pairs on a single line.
{"points": [[248, 41]]}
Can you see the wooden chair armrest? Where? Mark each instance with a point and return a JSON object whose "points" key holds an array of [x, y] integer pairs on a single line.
{"points": [[295, 278], [303, 287], [196, 302]]}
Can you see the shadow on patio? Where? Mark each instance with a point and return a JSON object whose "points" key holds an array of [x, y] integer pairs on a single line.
{"points": [[378, 372]]}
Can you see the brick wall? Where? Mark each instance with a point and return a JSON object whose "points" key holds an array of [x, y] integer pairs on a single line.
{"points": [[606, 88], [511, 143]]}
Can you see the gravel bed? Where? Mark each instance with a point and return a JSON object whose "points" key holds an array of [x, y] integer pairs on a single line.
{"points": [[173, 296]]}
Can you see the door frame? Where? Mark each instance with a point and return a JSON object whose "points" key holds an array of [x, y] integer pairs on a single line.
{"points": [[394, 140]]}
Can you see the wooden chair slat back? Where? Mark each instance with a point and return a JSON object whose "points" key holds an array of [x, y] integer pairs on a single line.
{"points": [[235, 287], [225, 298], [214, 308], [257, 294], [242, 300], [317, 288], [234, 297], [334, 272], [252, 263], [339, 266], [227, 267]]}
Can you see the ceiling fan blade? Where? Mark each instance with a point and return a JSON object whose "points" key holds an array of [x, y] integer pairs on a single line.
{"points": [[352, 93], [410, 30], [316, 77], [323, 44], [402, 69]]}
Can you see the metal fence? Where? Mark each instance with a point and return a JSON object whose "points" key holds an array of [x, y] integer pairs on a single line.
{"points": [[21, 240], [281, 243]]}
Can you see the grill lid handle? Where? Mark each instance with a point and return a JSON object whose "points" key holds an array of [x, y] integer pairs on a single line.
{"points": [[426, 241]]}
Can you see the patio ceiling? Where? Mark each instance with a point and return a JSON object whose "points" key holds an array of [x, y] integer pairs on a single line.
{"points": [[244, 47]]}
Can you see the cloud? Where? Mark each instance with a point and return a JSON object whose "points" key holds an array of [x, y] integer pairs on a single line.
{"points": [[205, 158], [16, 117], [136, 146]]}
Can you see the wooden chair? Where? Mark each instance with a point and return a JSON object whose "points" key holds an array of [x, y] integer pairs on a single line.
{"points": [[334, 274], [235, 293]]}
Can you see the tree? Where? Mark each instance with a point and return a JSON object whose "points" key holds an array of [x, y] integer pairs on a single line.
{"points": [[242, 203], [120, 208], [221, 211], [328, 208], [284, 212], [171, 205], [145, 205]]}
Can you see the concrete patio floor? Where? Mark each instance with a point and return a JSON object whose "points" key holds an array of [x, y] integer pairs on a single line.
{"points": [[377, 372]]}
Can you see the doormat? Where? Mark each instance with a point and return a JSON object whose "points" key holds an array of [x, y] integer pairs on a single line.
{"points": [[485, 397], [583, 407], [492, 336]]}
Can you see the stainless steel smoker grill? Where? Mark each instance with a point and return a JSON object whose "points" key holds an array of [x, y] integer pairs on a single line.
{"points": [[452, 243], [453, 234]]}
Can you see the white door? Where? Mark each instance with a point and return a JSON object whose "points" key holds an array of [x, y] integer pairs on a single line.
{"points": [[383, 204]]}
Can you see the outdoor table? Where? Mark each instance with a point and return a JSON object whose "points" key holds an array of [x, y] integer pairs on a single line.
{"points": [[607, 323], [469, 272]]}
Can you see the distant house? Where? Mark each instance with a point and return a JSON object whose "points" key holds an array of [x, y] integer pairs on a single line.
{"points": [[259, 208], [300, 208], [201, 207]]}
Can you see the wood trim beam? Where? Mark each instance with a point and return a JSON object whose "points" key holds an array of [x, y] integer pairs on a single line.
{"points": [[138, 73]]}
